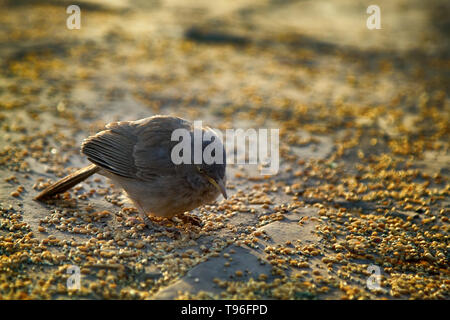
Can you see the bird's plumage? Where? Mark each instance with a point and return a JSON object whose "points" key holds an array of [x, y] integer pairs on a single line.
{"points": [[135, 149], [137, 156]]}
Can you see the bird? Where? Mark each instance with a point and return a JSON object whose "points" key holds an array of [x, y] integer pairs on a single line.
{"points": [[136, 155]]}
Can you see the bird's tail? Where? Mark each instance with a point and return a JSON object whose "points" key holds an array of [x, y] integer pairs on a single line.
{"points": [[67, 182]]}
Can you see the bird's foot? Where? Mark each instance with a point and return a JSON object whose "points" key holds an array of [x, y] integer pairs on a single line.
{"points": [[160, 228], [195, 221], [148, 222]]}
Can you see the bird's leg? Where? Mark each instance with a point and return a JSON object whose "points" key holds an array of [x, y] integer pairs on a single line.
{"points": [[191, 219], [142, 216], [149, 223]]}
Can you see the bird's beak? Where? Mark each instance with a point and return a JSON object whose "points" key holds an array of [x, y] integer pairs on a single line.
{"points": [[220, 185]]}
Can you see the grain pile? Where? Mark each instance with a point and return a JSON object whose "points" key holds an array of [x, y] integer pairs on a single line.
{"points": [[364, 153]]}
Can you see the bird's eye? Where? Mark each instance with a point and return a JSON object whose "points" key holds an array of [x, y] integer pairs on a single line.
{"points": [[200, 170]]}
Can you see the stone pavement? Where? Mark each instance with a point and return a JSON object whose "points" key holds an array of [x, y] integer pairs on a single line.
{"points": [[364, 161]]}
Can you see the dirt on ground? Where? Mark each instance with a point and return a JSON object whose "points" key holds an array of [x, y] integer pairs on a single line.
{"points": [[359, 208]]}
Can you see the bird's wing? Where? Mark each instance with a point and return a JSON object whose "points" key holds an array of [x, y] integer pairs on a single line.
{"points": [[135, 149], [112, 149], [152, 153]]}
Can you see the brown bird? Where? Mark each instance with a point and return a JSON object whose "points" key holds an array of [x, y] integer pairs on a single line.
{"points": [[136, 155]]}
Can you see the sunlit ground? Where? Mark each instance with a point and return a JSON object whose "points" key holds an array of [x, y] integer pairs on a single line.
{"points": [[364, 148]]}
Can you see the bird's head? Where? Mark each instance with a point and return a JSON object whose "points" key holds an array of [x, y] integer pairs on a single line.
{"points": [[214, 174], [212, 168]]}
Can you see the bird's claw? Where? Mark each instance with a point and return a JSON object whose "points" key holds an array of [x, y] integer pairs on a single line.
{"points": [[192, 220], [152, 226]]}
